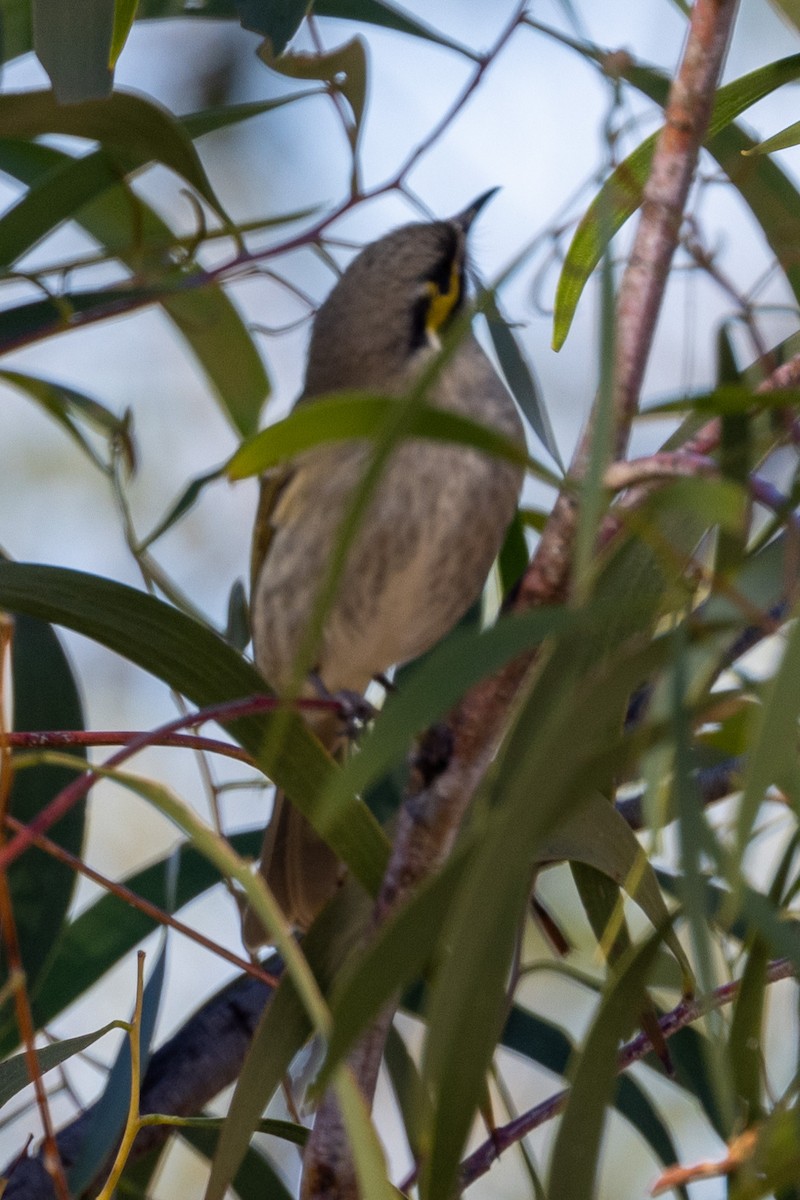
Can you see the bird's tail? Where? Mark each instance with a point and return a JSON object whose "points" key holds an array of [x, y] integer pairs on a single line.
{"points": [[298, 867]]}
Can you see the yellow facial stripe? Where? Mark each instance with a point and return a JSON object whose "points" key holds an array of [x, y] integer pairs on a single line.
{"points": [[443, 303]]}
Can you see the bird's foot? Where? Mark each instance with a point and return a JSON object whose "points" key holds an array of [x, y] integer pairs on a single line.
{"points": [[353, 708]]}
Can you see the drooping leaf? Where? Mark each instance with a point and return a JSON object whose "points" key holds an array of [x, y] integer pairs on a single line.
{"points": [[573, 1165], [45, 696], [196, 662], [282, 1031], [520, 378], [277, 20], [621, 194], [206, 319], [70, 408], [124, 122], [14, 1071], [344, 68], [72, 40], [388, 16]]}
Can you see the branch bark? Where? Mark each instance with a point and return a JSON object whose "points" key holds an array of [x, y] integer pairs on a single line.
{"points": [[183, 1075]]}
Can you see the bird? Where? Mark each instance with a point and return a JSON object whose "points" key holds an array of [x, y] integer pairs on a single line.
{"points": [[429, 535]]}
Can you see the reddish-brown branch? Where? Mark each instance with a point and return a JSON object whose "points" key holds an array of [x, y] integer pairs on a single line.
{"points": [[229, 710], [138, 902], [51, 739], [685, 1013]]}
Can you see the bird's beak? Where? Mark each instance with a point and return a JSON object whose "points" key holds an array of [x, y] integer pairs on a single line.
{"points": [[464, 219]]}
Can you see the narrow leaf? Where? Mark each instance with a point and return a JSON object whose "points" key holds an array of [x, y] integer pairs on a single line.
{"points": [[14, 1071], [45, 696], [574, 1161], [72, 40]]}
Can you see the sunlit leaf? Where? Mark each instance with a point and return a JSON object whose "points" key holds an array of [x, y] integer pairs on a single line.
{"points": [[621, 194], [360, 415], [124, 14]]}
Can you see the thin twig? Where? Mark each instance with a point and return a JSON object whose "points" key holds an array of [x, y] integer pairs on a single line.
{"points": [[685, 1013], [229, 710], [128, 896], [58, 738]]}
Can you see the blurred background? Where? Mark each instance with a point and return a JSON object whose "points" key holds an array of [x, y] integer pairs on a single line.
{"points": [[538, 126]]}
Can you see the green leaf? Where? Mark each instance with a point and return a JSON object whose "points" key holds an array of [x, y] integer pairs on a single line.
{"points": [[45, 696], [14, 1072], [16, 28], [206, 318], [789, 10], [344, 69], [124, 14], [256, 1178], [352, 415], [282, 1031], [124, 122], [395, 958], [107, 930], [772, 758], [186, 501], [200, 665], [621, 194], [406, 1085], [431, 688], [388, 16], [520, 378], [544, 1043], [72, 40], [70, 407], [56, 196], [789, 136], [573, 1165], [773, 1162], [745, 1039], [208, 120], [605, 654], [276, 20], [111, 1110]]}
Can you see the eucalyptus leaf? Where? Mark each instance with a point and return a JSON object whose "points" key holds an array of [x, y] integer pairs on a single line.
{"points": [[14, 1071], [72, 40]]}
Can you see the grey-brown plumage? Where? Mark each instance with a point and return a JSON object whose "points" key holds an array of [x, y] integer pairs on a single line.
{"points": [[432, 529]]}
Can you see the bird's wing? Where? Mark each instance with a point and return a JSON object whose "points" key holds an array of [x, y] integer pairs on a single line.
{"points": [[272, 485]]}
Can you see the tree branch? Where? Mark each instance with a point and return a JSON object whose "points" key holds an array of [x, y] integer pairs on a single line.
{"points": [[183, 1075]]}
